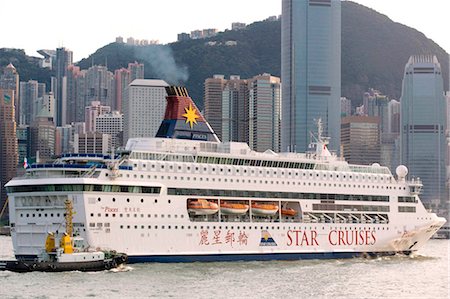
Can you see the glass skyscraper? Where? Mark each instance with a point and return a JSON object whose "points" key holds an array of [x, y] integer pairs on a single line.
{"points": [[310, 71], [423, 125]]}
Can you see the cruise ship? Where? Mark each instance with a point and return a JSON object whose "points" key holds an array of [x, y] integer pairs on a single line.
{"points": [[185, 196]]}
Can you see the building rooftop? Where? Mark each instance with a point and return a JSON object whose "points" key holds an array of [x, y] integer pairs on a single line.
{"points": [[149, 82]]}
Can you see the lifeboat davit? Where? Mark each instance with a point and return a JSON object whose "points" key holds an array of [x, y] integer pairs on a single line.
{"points": [[288, 212], [233, 208], [202, 207], [264, 209]]}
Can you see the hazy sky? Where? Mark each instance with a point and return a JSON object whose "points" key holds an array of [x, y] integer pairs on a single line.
{"points": [[86, 25]]}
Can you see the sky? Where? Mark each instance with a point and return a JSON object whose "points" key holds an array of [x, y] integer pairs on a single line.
{"points": [[83, 26]]}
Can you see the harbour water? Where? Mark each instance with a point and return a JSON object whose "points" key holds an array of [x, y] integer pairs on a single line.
{"points": [[422, 275]]}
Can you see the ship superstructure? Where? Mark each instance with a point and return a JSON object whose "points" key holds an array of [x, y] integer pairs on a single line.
{"points": [[186, 196]]}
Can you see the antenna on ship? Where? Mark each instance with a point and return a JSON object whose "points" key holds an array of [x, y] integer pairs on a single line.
{"points": [[319, 142]]}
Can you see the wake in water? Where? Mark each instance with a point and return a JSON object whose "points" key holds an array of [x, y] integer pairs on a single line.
{"points": [[121, 268]]}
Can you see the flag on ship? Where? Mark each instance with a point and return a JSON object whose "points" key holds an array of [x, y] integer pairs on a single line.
{"points": [[182, 119], [25, 163]]}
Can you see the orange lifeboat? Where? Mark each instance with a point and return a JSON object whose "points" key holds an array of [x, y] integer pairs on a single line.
{"points": [[202, 207], [264, 209], [233, 208], [288, 212]]}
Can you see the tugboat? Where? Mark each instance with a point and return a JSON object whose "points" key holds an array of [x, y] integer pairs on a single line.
{"points": [[71, 255]]}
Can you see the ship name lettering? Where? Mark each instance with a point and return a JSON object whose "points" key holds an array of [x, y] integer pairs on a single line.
{"points": [[111, 210], [302, 238], [340, 237]]}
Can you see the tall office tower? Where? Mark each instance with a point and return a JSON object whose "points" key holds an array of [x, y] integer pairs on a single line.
{"points": [[423, 124], [8, 141], [346, 107], [213, 102], [310, 71], [99, 84], [394, 117], [45, 106], [75, 102], [121, 80], [264, 119], [93, 142], [23, 144], [111, 123], [63, 60], [136, 71], [91, 112], [64, 140], [143, 108], [43, 138], [9, 79], [360, 139], [235, 110], [29, 94]]}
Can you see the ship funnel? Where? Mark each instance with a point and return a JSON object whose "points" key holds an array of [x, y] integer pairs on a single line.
{"points": [[182, 119]]}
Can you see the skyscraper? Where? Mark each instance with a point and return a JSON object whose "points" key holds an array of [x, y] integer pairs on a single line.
{"points": [[121, 80], [8, 141], [91, 112], [310, 71], [264, 121], [423, 124], [360, 139], [9, 79], [63, 60], [99, 85], [234, 109], [29, 96], [143, 108], [213, 102], [136, 70]]}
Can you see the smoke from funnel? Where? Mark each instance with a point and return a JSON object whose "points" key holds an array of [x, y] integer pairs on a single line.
{"points": [[162, 63]]}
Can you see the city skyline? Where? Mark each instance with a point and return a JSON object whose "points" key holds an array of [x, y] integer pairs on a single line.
{"points": [[84, 39]]}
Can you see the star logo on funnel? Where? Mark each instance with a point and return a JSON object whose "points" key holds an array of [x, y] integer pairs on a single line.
{"points": [[191, 115]]}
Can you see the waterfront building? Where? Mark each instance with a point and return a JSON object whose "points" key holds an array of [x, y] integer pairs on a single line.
{"points": [[423, 125], [121, 80], [213, 102], [110, 123], [23, 134], [91, 112], [143, 108], [235, 109], [8, 141], [310, 71], [29, 95], [93, 142], [43, 138], [74, 98], [360, 139], [64, 58], [99, 85], [136, 71], [9, 80], [64, 140], [264, 118], [346, 107]]}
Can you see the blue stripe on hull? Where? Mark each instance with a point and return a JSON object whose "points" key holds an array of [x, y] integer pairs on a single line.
{"points": [[250, 257]]}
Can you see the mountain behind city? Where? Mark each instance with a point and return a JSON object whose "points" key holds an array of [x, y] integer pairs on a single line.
{"points": [[375, 50]]}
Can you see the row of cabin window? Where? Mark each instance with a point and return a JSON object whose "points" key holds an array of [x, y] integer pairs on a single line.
{"points": [[247, 227], [128, 215], [274, 172]]}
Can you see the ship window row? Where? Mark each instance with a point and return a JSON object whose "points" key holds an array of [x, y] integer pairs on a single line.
{"points": [[129, 215], [83, 188], [270, 194], [195, 227], [253, 162], [407, 209], [365, 208], [28, 215], [407, 199]]}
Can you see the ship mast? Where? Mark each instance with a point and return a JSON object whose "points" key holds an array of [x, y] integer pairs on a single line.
{"points": [[68, 217]]}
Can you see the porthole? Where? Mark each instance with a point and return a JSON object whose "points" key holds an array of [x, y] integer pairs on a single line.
{"points": [[99, 199], [114, 200], [128, 200]]}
